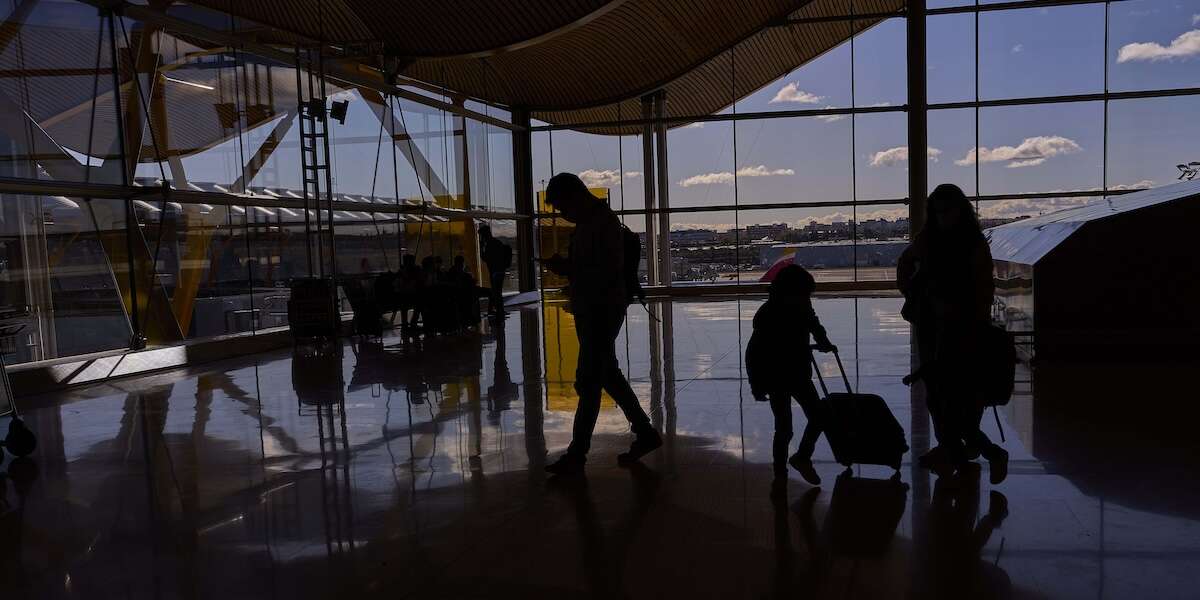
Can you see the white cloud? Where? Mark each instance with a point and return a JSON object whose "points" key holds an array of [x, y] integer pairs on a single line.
{"points": [[694, 125], [1184, 46], [890, 214], [1143, 184], [1195, 19], [1030, 152], [831, 118], [898, 155], [694, 226], [792, 93], [762, 171], [1017, 164], [605, 178], [725, 177], [1018, 48]]}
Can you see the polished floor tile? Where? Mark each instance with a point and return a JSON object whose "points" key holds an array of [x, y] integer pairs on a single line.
{"points": [[401, 470]]}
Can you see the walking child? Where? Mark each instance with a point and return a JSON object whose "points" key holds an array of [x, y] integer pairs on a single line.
{"points": [[778, 365]]}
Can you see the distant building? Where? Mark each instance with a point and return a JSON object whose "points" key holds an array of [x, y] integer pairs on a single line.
{"points": [[837, 254], [773, 231], [693, 237]]}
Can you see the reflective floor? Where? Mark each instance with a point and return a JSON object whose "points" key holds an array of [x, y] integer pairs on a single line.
{"points": [[406, 470]]}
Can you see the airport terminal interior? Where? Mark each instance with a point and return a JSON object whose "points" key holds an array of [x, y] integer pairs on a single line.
{"points": [[279, 317]]}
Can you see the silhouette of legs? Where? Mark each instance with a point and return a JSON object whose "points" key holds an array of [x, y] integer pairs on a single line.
{"points": [[781, 408], [814, 411], [496, 297], [598, 370]]}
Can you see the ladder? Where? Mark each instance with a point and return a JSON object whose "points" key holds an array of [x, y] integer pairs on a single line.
{"points": [[314, 161]]}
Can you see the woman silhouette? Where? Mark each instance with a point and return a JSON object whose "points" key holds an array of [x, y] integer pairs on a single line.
{"points": [[946, 279]]}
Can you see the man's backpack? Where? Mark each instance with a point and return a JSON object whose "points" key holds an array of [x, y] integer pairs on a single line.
{"points": [[997, 368], [633, 260]]}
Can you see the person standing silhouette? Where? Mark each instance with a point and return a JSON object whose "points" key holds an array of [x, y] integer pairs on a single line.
{"points": [[598, 297], [946, 279], [498, 258]]}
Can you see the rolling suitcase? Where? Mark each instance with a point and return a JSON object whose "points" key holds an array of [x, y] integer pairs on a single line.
{"points": [[861, 429]]}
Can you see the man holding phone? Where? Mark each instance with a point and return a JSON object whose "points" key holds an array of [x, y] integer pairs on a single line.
{"points": [[598, 298]]}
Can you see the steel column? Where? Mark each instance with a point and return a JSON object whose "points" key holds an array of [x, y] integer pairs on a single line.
{"points": [[918, 137]]}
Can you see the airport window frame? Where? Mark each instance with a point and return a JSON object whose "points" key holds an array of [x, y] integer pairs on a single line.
{"points": [[1105, 96]]}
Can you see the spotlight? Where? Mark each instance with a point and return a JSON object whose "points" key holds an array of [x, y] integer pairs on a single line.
{"points": [[338, 111], [315, 108]]}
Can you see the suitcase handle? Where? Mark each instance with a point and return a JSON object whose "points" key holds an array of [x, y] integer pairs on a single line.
{"points": [[817, 370]]}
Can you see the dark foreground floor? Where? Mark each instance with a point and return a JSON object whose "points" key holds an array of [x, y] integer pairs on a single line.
{"points": [[402, 471]]}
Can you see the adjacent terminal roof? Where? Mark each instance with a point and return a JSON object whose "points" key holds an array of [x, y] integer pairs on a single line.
{"points": [[1028, 240]]}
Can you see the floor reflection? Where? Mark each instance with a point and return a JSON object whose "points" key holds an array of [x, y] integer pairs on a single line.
{"points": [[414, 468]]}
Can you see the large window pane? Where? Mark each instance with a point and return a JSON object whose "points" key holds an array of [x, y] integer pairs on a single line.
{"points": [[881, 160], [822, 82], [54, 261], [1041, 51], [1148, 138], [1153, 44], [56, 101], [797, 159], [199, 284], [951, 135], [881, 65], [500, 170], [950, 56], [603, 162], [703, 248], [1039, 148], [700, 164], [882, 233], [816, 238]]}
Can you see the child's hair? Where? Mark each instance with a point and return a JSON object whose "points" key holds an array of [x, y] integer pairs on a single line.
{"points": [[792, 280]]}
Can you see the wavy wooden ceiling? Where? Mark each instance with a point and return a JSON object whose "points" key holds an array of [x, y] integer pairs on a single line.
{"points": [[578, 61]]}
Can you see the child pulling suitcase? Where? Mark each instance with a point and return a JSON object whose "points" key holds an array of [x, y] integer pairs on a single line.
{"points": [[859, 427]]}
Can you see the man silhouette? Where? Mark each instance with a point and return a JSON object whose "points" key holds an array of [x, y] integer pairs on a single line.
{"points": [[498, 257], [598, 297]]}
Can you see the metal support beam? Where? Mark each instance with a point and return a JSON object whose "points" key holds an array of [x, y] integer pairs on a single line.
{"points": [[522, 159], [664, 189], [101, 191], [649, 180], [918, 135]]}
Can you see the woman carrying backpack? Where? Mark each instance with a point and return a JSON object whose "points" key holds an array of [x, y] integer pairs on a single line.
{"points": [[946, 279]]}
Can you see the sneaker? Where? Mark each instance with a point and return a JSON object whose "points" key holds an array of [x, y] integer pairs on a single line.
{"points": [[644, 444], [804, 466], [997, 459], [567, 464]]}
